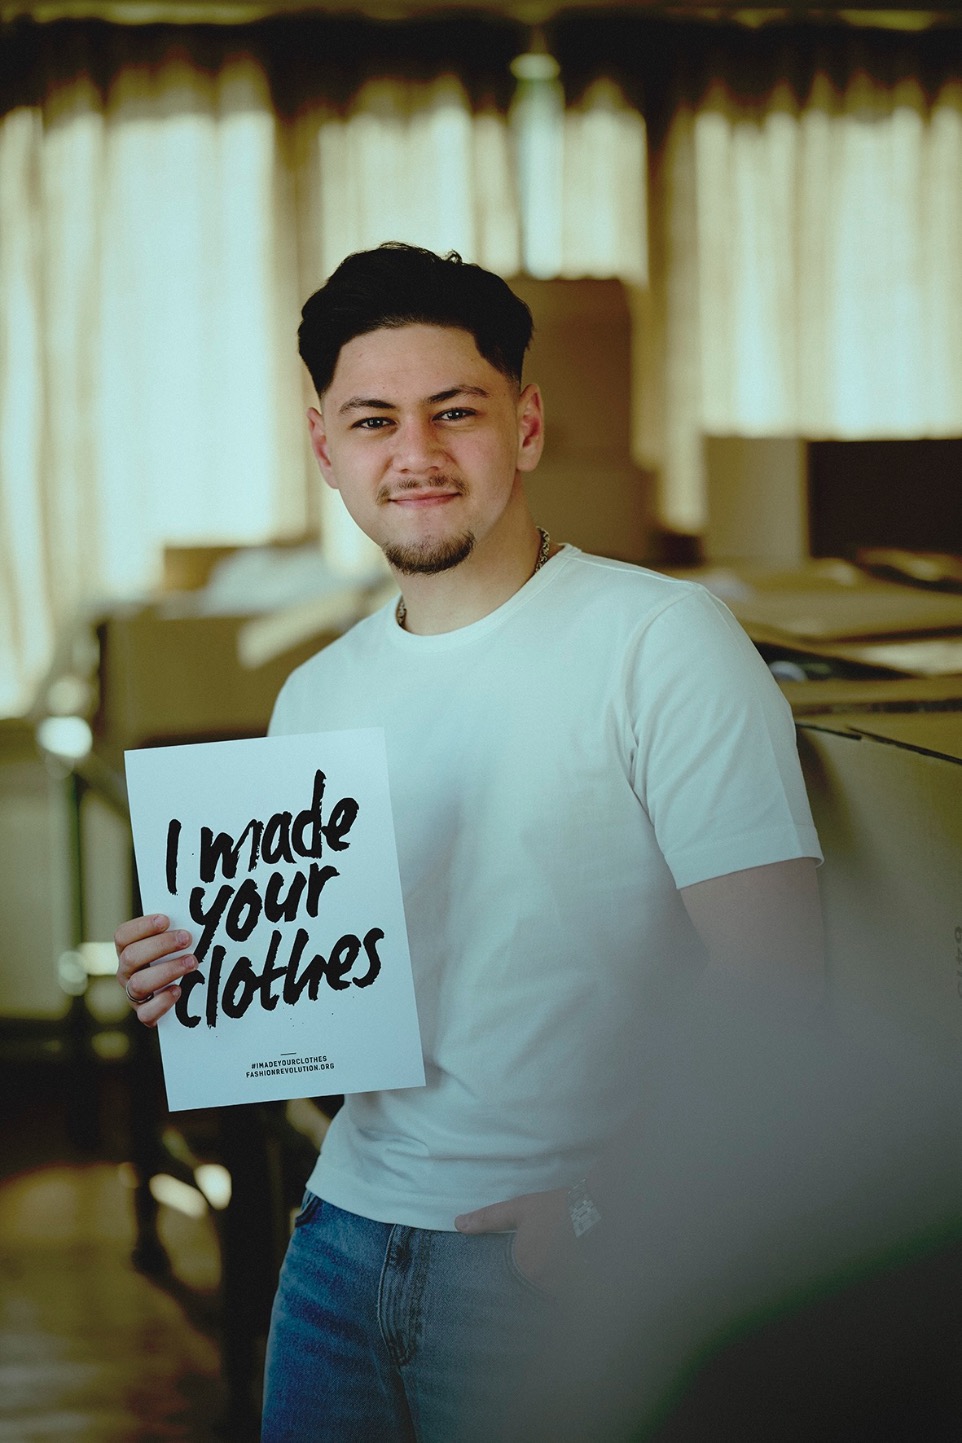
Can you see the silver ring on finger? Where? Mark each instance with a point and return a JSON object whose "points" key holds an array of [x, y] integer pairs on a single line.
{"points": [[136, 1001]]}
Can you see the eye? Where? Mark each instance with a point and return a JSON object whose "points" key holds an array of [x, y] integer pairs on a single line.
{"points": [[456, 413], [371, 423]]}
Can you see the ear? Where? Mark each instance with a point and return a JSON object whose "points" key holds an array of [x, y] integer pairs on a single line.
{"points": [[530, 428], [319, 445]]}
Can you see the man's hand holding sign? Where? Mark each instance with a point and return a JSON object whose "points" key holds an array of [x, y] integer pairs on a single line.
{"points": [[144, 950]]}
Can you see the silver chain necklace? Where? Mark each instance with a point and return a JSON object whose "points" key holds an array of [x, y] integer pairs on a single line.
{"points": [[401, 610]]}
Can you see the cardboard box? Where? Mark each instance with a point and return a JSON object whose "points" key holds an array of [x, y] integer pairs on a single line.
{"points": [[886, 793], [757, 492], [874, 609], [181, 678], [190, 568], [587, 488], [853, 696], [825, 602]]}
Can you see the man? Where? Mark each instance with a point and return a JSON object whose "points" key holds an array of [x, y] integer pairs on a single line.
{"points": [[597, 801]]}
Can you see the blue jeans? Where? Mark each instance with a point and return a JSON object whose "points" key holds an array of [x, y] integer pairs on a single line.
{"points": [[391, 1334]]}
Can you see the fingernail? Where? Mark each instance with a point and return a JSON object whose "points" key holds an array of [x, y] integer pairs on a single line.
{"points": [[160, 920], [183, 938]]}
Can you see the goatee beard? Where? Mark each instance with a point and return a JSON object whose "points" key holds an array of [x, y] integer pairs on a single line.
{"points": [[429, 558]]}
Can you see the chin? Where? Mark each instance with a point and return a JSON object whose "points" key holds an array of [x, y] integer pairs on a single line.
{"points": [[428, 558]]}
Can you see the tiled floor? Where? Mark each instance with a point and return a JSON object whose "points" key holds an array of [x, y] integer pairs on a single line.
{"points": [[90, 1350]]}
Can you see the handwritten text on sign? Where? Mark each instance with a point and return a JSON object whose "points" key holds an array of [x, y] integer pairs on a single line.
{"points": [[239, 908], [271, 860]]}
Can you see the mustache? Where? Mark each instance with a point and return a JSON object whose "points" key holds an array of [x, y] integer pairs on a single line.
{"points": [[387, 492]]}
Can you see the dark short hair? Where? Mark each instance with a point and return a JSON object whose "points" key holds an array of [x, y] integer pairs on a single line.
{"points": [[401, 285]]}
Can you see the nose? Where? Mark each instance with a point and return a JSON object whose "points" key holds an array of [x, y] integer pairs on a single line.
{"points": [[417, 447]]}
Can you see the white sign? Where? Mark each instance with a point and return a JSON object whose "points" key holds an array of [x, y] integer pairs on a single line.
{"points": [[278, 856]]}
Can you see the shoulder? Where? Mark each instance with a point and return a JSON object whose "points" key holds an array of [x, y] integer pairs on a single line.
{"points": [[644, 603], [335, 667], [674, 648], [585, 571]]}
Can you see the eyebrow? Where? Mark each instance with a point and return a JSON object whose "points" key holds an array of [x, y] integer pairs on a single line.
{"points": [[374, 403]]}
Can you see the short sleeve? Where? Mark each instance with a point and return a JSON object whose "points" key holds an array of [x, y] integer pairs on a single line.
{"points": [[716, 763]]}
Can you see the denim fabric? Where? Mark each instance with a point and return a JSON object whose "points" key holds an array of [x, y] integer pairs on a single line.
{"points": [[391, 1334]]}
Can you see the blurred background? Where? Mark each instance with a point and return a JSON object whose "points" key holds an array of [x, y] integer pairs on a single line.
{"points": [[738, 229]]}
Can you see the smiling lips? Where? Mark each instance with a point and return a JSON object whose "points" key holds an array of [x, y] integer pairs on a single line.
{"points": [[418, 496], [424, 498]]}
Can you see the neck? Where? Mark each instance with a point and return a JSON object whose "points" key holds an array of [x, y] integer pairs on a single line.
{"points": [[449, 600]]}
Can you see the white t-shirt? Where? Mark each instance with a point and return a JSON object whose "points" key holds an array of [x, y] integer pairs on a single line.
{"points": [[558, 770]]}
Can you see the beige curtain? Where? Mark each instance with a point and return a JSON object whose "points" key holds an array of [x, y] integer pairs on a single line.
{"points": [[156, 244], [807, 272], [146, 382]]}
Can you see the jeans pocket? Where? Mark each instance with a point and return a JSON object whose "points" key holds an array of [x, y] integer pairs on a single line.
{"points": [[309, 1206], [529, 1284]]}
